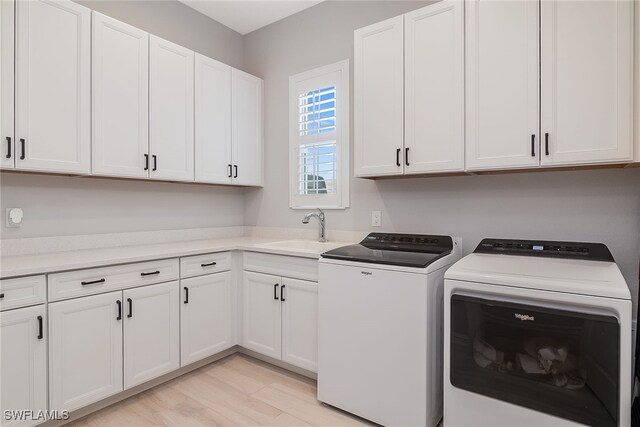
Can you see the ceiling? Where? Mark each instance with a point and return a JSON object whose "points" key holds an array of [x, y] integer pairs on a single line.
{"points": [[245, 16]]}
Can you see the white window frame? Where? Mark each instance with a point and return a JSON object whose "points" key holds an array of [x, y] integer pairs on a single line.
{"points": [[337, 75]]}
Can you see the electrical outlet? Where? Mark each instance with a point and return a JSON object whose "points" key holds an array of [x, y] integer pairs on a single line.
{"points": [[376, 218], [14, 217]]}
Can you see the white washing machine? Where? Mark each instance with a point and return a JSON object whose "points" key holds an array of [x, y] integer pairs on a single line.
{"points": [[537, 334], [380, 327]]}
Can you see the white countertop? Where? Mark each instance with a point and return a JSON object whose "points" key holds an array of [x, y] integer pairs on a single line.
{"points": [[24, 265]]}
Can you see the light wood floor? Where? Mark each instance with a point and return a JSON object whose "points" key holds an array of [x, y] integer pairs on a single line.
{"points": [[235, 391]]}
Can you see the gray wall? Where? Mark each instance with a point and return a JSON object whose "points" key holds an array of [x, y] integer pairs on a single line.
{"points": [[599, 205], [59, 205], [178, 23]]}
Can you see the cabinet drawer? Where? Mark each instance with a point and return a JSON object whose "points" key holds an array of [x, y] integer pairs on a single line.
{"points": [[22, 291], [205, 264], [105, 279], [282, 265]]}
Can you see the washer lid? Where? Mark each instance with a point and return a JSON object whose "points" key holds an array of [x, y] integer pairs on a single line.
{"points": [[596, 278]]}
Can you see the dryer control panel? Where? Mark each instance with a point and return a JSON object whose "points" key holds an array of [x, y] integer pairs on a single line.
{"points": [[543, 248]]}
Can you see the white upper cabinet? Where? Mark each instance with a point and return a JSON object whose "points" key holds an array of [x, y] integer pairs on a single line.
{"points": [[434, 89], [247, 128], [587, 81], [85, 350], [53, 66], [151, 332], [212, 121], [378, 98], [171, 111], [7, 142], [502, 89], [23, 365], [120, 98]]}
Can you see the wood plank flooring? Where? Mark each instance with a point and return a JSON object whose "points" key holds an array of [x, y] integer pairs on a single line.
{"points": [[235, 391]]}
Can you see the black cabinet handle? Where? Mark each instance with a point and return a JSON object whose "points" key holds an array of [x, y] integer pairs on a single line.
{"points": [[546, 144], [40, 332], [130, 307], [22, 143], [533, 145], [406, 156], [146, 162], [282, 293], [8, 147], [230, 169], [398, 157], [150, 274], [155, 162], [2, 295], [209, 264], [235, 171], [93, 282], [275, 291], [186, 295], [119, 310]]}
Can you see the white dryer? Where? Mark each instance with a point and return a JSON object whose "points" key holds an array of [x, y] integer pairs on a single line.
{"points": [[537, 334]]}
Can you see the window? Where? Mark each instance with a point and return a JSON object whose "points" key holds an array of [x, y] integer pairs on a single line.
{"points": [[319, 138]]}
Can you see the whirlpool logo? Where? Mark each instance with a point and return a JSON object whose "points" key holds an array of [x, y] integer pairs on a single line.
{"points": [[366, 273], [524, 317]]}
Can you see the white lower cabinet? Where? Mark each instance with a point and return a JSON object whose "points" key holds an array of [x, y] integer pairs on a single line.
{"points": [[23, 364], [205, 316], [151, 332], [261, 314], [280, 318], [85, 350], [300, 323]]}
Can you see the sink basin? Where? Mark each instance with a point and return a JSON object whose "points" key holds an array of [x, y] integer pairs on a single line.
{"points": [[303, 245]]}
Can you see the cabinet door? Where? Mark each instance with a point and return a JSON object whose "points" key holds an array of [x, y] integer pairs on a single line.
{"points": [[587, 81], [300, 323], [120, 98], [53, 66], [7, 150], [247, 136], [261, 314], [502, 84], [151, 332], [434, 88], [212, 121], [205, 316], [85, 350], [23, 362], [378, 99], [170, 111]]}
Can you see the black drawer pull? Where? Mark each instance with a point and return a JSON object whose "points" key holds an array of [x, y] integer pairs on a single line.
{"points": [[8, 147], [40, 331], [398, 157], [533, 145], [130, 307], [282, 293], [275, 292], [186, 295], [93, 282], [2, 295], [209, 264], [119, 310], [151, 273], [22, 143]]}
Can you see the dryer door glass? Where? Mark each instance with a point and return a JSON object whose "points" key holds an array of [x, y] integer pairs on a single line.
{"points": [[558, 362]]}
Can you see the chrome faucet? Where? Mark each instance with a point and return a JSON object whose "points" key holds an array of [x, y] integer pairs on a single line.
{"points": [[320, 217]]}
